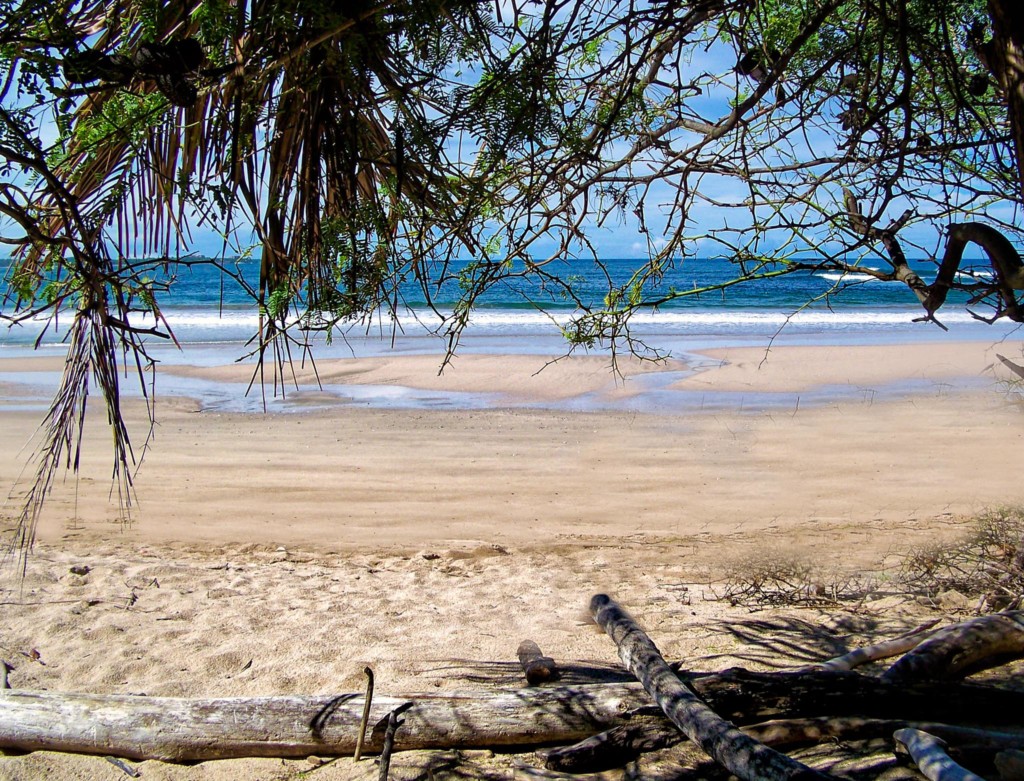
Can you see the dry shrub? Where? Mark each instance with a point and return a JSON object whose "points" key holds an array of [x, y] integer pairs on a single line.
{"points": [[984, 569], [777, 579], [987, 564]]}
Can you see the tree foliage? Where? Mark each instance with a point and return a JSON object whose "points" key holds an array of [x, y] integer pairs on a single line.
{"points": [[357, 146]]}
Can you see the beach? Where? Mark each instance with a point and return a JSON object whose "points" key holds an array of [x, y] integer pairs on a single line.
{"points": [[424, 524]]}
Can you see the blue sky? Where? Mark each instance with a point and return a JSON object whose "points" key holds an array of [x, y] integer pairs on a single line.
{"points": [[621, 237]]}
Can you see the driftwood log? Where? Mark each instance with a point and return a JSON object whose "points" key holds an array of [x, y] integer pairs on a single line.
{"points": [[962, 649], [296, 726], [537, 667], [809, 731], [882, 650], [721, 740], [951, 653], [185, 730], [623, 744], [747, 697], [929, 754], [612, 748]]}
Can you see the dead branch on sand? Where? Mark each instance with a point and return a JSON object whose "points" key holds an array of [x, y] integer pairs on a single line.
{"points": [[741, 719]]}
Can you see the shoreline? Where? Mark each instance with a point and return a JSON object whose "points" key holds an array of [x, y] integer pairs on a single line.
{"points": [[752, 439], [762, 377]]}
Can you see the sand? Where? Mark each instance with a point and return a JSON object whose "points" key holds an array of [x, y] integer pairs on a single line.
{"points": [[281, 553]]}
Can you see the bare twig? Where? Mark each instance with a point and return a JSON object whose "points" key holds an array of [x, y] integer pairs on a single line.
{"points": [[389, 743], [366, 714], [124, 767]]}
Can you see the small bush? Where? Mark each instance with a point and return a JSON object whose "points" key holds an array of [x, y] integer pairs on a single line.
{"points": [[987, 564], [778, 580]]}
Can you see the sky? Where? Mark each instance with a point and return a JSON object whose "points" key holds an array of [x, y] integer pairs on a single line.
{"points": [[621, 236]]}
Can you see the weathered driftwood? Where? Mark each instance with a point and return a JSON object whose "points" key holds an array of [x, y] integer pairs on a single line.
{"points": [[297, 726], [180, 730], [723, 742], [962, 649], [929, 754], [622, 744], [801, 732], [876, 651], [125, 768], [747, 697], [537, 667], [523, 771]]}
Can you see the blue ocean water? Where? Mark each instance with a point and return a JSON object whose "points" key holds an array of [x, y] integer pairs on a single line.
{"points": [[205, 307], [214, 319]]}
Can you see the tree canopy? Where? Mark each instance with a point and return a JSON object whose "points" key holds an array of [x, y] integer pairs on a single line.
{"points": [[354, 147]]}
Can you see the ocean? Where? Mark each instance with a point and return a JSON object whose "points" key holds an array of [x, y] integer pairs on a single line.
{"points": [[214, 319]]}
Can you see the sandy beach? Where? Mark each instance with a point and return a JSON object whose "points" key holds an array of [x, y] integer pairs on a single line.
{"points": [[281, 553]]}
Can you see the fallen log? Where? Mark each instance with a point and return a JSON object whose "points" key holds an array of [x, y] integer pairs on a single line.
{"points": [[738, 753], [183, 730], [929, 754], [961, 649], [622, 744], [747, 697], [803, 732], [537, 667]]}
